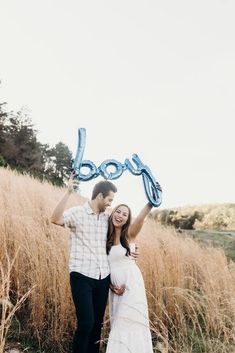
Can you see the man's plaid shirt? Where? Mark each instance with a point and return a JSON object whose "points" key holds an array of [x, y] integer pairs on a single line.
{"points": [[88, 235]]}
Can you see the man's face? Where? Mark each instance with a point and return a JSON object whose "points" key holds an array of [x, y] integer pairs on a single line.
{"points": [[106, 201]]}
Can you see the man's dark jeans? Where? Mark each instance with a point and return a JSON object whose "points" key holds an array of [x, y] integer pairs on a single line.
{"points": [[90, 298]]}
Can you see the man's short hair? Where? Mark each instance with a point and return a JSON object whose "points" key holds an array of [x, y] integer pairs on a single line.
{"points": [[103, 187]]}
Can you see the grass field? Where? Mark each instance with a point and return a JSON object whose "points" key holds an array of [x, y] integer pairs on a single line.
{"points": [[214, 238], [190, 286]]}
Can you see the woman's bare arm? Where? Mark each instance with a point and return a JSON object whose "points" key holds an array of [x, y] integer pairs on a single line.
{"points": [[137, 224]]}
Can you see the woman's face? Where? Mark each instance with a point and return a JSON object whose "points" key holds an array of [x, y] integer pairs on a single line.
{"points": [[120, 216]]}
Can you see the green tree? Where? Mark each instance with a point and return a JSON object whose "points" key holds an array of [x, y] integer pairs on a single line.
{"points": [[3, 117], [21, 150], [58, 164]]}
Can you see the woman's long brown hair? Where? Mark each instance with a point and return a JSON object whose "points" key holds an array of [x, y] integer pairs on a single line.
{"points": [[124, 232]]}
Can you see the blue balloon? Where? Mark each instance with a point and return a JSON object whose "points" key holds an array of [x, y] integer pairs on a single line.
{"points": [[76, 163], [111, 175], [138, 163], [152, 188], [93, 171]]}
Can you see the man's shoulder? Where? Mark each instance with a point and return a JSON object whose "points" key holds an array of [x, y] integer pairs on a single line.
{"points": [[76, 209]]}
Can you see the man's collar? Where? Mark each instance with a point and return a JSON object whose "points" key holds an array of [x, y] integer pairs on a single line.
{"points": [[89, 210]]}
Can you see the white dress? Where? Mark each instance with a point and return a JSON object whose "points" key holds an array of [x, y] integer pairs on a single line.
{"points": [[130, 331]]}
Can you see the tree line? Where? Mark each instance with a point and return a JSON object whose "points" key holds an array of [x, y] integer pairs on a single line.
{"points": [[21, 150]]}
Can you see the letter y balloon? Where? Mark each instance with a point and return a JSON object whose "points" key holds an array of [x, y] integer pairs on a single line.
{"points": [[152, 188]]}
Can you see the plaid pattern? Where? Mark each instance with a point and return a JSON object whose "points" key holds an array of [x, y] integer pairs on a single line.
{"points": [[88, 235]]}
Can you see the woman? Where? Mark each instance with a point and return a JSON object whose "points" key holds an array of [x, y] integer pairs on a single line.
{"points": [[130, 331]]}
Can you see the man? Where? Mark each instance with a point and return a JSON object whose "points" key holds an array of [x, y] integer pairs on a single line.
{"points": [[88, 263]]}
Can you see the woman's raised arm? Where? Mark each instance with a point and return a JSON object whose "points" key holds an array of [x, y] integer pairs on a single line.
{"points": [[138, 222]]}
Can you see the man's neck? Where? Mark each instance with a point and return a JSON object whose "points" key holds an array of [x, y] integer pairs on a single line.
{"points": [[94, 207]]}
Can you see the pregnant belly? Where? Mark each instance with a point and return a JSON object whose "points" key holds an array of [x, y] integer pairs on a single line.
{"points": [[119, 276], [127, 276]]}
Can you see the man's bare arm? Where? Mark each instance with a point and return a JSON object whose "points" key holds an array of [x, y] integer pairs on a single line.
{"points": [[57, 215]]}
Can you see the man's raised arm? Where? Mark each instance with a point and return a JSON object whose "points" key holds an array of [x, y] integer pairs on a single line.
{"points": [[57, 215]]}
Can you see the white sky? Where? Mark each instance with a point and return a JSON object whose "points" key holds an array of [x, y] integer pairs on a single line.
{"points": [[156, 78]]}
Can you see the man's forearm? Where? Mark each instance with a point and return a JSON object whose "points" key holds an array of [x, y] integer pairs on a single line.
{"points": [[57, 215]]}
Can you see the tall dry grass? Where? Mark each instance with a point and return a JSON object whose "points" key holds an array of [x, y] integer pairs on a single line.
{"points": [[211, 216], [191, 292], [26, 206], [8, 308], [190, 289]]}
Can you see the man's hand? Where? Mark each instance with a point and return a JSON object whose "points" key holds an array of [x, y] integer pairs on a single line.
{"points": [[72, 183], [117, 290]]}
